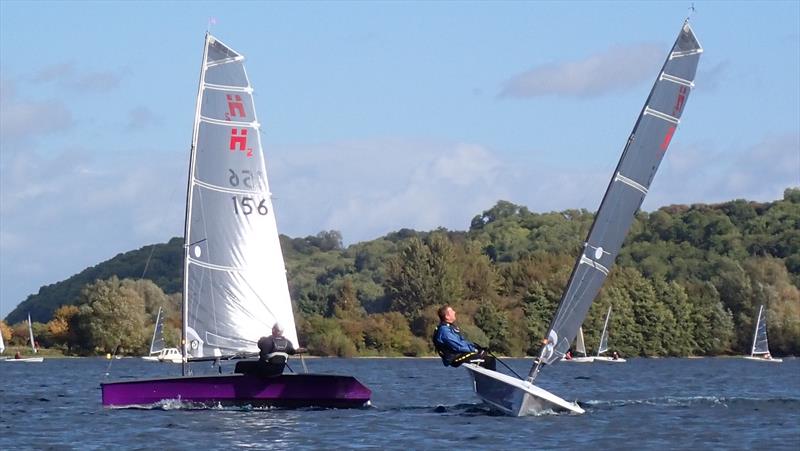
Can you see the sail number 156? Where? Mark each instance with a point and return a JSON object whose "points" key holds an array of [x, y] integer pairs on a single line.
{"points": [[247, 205]]}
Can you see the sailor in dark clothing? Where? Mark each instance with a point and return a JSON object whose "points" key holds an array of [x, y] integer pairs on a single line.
{"points": [[453, 348], [274, 343]]}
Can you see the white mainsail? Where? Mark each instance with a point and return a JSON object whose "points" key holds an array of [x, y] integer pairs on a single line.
{"points": [[760, 342], [2, 343], [157, 343], [580, 346], [235, 285], [603, 347], [30, 331]]}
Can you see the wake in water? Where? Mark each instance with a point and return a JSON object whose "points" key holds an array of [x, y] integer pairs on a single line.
{"points": [[693, 401]]}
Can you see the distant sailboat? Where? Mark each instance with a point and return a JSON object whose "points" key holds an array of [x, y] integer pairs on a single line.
{"points": [[33, 347], [157, 342], [580, 348], [159, 353], [234, 277], [603, 346], [629, 184], [760, 349]]}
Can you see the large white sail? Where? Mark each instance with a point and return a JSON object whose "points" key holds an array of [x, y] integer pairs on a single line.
{"points": [[580, 346], [235, 285], [629, 184], [603, 347], [157, 343], [760, 342], [30, 331]]}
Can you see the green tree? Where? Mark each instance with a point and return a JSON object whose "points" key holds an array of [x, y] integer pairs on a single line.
{"points": [[111, 315]]}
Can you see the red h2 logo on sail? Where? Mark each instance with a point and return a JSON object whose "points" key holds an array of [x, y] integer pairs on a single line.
{"points": [[235, 107], [239, 141], [680, 101]]}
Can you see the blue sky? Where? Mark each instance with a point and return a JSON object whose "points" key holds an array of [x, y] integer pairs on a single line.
{"points": [[376, 116]]}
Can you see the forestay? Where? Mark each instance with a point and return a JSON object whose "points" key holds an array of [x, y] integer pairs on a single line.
{"points": [[640, 159], [235, 285]]}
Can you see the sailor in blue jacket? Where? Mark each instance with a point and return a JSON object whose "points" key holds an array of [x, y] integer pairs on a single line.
{"points": [[453, 348]]}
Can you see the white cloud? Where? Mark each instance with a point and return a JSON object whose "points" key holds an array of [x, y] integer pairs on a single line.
{"points": [[612, 70], [69, 76], [705, 173], [24, 120]]}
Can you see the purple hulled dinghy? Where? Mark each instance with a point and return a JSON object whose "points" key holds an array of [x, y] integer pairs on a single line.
{"points": [[287, 390], [234, 277]]}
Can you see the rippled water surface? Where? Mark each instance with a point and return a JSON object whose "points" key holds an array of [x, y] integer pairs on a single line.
{"points": [[419, 404]]}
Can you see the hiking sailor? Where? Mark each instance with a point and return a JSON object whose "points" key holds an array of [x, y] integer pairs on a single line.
{"points": [[453, 348]]}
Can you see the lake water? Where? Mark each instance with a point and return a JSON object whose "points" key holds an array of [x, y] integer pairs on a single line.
{"points": [[419, 404]]}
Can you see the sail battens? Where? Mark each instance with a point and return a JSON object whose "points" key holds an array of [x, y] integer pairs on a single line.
{"points": [[215, 267], [588, 261], [224, 189], [681, 54], [224, 61], [632, 183], [677, 80], [246, 89], [229, 123], [660, 115]]}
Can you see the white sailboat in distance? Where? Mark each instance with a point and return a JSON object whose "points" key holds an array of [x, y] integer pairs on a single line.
{"points": [[603, 346], [580, 348], [629, 184], [760, 349]]}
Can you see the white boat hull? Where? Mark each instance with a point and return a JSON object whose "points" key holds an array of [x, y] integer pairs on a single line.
{"points": [[604, 359], [579, 360], [27, 359], [762, 359], [150, 358], [515, 397]]}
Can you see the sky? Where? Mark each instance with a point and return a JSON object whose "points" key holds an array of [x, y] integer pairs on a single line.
{"points": [[376, 116]]}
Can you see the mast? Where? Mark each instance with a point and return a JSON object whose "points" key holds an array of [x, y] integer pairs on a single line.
{"points": [[187, 220], [643, 152]]}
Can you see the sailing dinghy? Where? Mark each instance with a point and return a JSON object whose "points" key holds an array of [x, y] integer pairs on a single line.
{"points": [[234, 277], [640, 159], [157, 343], [580, 348], [603, 347], [33, 347], [760, 349]]}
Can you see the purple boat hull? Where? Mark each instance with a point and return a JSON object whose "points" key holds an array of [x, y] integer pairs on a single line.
{"points": [[286, 390]]}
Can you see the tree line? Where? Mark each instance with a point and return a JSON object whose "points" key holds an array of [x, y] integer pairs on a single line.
{"points": [[688, 281]]}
